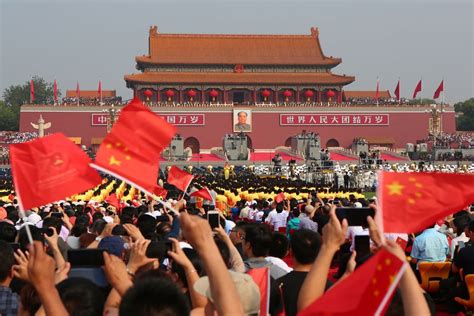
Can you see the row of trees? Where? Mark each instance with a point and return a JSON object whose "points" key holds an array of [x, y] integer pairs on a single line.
{"points": [[17, 95]]}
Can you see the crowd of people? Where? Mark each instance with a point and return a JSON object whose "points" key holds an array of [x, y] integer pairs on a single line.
{"points": [[454, 140], [381, 101], [114, 250], [92, 101], [8, 137]]}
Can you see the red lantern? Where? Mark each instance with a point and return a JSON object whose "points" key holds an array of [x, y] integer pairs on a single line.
{"points": [[213, 94], [330, 94], [265, 94], [191, 94], [308, 94], [148, 94], [287, 94], [169, 93]]}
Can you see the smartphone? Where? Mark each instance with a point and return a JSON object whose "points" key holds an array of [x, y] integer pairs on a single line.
{"points": [[213, 219], [57, 214], [362, 246], [86, 257], [355, 216], [47, 231]]}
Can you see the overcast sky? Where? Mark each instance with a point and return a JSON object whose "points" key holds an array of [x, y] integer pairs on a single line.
{"points": [[90, 40]]}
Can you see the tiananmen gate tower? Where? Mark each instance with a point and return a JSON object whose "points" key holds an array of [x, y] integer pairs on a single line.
{"points": [[282, 84]]}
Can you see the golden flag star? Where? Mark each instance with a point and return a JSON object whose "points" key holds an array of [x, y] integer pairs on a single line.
{"points": [[58, 162], [395, 188], [114, 161]]}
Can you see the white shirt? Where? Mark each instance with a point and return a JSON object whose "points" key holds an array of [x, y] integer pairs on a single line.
{"points": [[280, 263], [279, 220], [455, 242], [270, 215]]}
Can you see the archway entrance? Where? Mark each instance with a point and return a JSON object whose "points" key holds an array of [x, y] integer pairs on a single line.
{"points": [[192, 143], [332, 143], [288, 142]]}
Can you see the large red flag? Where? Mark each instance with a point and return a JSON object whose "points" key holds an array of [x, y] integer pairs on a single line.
{"points": [[32, 92], [55, 91], [365, 292], [132, 149], [417, 89], [397, 91], [179, 178], [203, 193], [160, 191], [261, 277], [410, 202], [49, 169], [439, 90], [280, 197]]}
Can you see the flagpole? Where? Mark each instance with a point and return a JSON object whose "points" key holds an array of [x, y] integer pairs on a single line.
{"points": [[399, 92], [421, 91], [377, 92]]}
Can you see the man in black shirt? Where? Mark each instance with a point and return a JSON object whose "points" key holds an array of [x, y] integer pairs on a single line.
{"points": [[305, 245], [465, 257]]}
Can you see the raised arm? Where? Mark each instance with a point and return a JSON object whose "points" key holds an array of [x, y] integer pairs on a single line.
{"points": [[333, 237]]}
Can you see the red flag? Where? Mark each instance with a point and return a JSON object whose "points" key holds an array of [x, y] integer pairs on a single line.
{"points": [[32, 92], [179, 178], [78, 90], [402, 243], [113, 200], [99, 90], [203, 193], [160, 191], [365, 292], [261, 277], [280, 197], [55, 91], [417, 89], [49, 169], [410, 202], [132, 149], [397, 91], [439, 90]]}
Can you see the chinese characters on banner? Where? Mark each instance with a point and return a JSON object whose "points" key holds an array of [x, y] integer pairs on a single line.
{"points": [[99, 119], [334, 119]]}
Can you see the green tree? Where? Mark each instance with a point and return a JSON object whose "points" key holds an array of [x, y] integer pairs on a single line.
{"points": [[465, 115], [17, 95], [8, 118]]}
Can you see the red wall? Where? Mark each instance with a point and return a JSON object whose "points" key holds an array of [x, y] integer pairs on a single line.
{"points": [[266, 134]]}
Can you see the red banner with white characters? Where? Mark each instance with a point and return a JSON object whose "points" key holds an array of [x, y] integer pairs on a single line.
{"points": [[296, 119], [100, 119]]}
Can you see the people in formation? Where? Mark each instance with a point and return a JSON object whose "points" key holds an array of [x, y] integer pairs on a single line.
{"points": [[114, 250]]}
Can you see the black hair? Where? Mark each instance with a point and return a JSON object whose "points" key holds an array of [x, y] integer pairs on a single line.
{"points": [[30, 300], [224, 251], [471, 226], [8, 260], [260, 238], [154, 296], [53, 222], [98, 226], [279, 246], [7, 232], [305, 245], [147, 225], [81, 297], [195, 260]]}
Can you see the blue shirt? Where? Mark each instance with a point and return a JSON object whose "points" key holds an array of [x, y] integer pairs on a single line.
{"points": [[430, 246], [8, 302]]}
